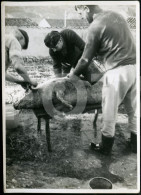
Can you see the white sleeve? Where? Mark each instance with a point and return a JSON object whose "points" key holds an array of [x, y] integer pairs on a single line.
{"points": [[15, 54]]}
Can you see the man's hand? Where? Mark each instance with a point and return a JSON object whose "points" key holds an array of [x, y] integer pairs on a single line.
{"points": [[87, 84], [33, 82], [73, 76], [76, 78], [24, 84], [27, 85]]}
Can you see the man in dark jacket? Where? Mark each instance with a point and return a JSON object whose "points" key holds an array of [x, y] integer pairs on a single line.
{"points": [[109, 38], [65, 48]]}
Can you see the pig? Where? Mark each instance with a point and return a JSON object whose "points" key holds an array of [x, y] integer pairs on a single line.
{"points": [[59, 95]]}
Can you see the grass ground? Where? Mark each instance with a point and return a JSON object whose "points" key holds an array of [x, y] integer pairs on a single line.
{"points": [[71, 164]]}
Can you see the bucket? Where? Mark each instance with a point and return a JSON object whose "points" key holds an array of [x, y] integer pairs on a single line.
{"points": [[12, 117], [100, 183]]}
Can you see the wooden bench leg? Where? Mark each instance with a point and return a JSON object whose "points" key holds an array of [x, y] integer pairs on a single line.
{"points": [[39, 125], [94, 122], [48, 134]]}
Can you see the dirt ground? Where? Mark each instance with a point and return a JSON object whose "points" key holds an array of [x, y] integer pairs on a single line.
{"points": [[71, 164]]}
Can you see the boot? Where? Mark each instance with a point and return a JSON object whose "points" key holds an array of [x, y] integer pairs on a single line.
{"points": [[133, 142], [105, 146]]}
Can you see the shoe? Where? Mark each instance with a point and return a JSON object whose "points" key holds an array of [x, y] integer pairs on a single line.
{"points": [[105, 147], [133, 142]]}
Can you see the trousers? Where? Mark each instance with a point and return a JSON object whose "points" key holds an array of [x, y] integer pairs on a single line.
{"points": [[119, 86]]}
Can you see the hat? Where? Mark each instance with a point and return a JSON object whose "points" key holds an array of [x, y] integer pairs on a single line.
{"points": [[52, 39], [26, 38]]}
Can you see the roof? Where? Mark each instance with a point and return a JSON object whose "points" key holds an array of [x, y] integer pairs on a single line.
{"points": [[131, 22], [79, 23], [19, 22], [44, 23], [73, 23], [59, 23]]}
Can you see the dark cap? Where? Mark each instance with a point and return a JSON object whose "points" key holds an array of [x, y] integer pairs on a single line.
{"points": [[26, 38], [52, 39]]}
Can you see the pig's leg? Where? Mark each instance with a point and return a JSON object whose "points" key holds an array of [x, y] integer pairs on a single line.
{"points": [[47, 120], [39, 125]]}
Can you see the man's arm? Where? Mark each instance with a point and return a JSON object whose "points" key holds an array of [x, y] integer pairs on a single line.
{"points": [[57, 72], [57, 67], [90, 50], [22, 72], [17, 62], [12, 79], [19, 67], [66, 68]]}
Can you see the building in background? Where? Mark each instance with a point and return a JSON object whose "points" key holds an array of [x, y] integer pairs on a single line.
{"points": [[20, 22], [61, 23]]}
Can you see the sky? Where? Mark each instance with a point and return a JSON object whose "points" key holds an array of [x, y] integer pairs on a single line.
{"points": [[57, 12]]}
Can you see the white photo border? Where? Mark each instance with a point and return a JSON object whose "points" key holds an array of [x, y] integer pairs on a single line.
{"points": [[54, 3]]}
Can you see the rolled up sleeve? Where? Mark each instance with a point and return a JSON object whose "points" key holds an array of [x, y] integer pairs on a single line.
{"points": [[15, 54], [90, 51], [92, 45]]}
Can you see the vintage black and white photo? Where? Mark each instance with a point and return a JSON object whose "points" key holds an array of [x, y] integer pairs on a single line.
{"points": [[71, 96]]}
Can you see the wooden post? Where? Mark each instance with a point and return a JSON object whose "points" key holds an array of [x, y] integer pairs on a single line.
{"points": [[47, 120], [65, 19]]}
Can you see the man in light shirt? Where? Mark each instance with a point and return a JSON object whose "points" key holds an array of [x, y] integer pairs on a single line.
{"points": [[109, 38], [14, 43]]}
